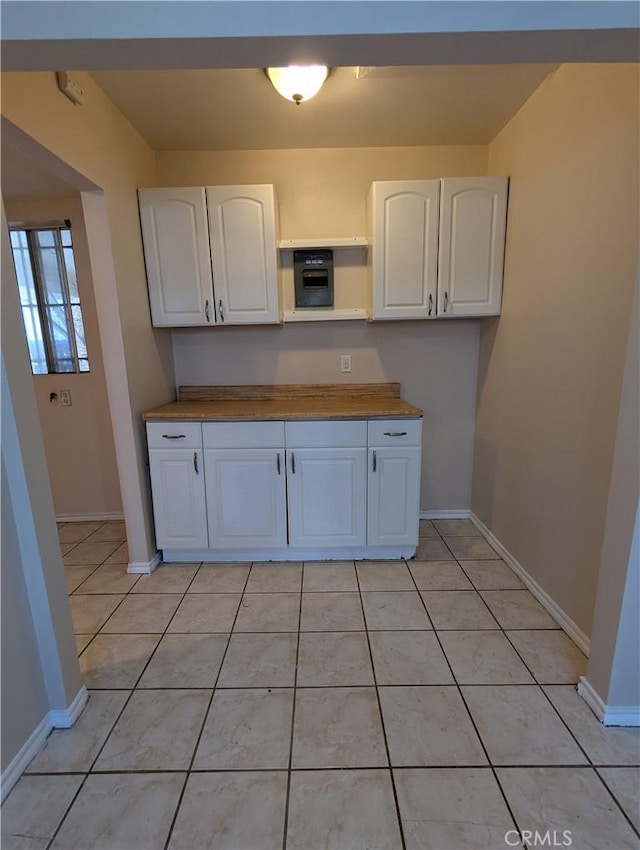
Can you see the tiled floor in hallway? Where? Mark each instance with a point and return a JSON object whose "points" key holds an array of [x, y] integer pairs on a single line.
{"points": [[420, 704]]}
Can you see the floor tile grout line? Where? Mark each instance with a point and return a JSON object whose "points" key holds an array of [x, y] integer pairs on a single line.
{"points": [[539, 684], [86, 578], [163, 634], [521, 657], [503, 630], [330, 687], [617, 802], [208, 709], [133, 689], [471, 718], [382, 723], [108, 735], [124, 596], [67, 810], [564, 723], [306, 769], [293, 717]]}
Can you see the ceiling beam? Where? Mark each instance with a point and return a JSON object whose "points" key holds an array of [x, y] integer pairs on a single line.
{"points": [[97, 35]]}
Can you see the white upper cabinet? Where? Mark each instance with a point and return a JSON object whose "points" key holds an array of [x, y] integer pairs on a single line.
{"points": [[403, 226], [176, 248], [211, 255], [473, 212], [437, 247], [243, 233]]}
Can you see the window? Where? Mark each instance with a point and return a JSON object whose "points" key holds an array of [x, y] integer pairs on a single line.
{"points": [[46, 273]]}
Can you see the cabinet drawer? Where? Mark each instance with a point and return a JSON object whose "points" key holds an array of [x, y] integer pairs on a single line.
{"points": [[395, 432], [182, 435], [243, 435], [324, 434]]}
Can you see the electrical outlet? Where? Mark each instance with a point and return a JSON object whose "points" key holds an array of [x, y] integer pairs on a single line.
{"points": [[345, 362], [65, 398]]}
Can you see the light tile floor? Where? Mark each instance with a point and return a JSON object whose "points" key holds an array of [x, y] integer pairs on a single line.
{"points": [[426, 704]]}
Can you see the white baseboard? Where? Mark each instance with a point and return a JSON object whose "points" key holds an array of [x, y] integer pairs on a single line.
{"points": [[144, 567], [622, 715], [461, 513], [107, 517], [608, 715], [591, 697], [55, 719], [65, 718], [25, 754], [561, 617]]}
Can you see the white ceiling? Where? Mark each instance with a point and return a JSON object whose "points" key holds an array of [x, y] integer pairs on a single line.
{"points": [[391, 106]]}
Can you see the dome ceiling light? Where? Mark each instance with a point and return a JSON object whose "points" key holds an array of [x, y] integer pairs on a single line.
{"points": [[298, 82]]}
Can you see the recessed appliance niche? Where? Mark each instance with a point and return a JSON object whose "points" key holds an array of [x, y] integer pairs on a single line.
{"points": [[313, 278]]}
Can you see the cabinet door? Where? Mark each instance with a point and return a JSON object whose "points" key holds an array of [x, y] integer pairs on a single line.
{"points": [[179, 507], [326, 493], [242, 227], [403, 224], [394, 496], [246, 499], [473, 215], [176, 250]]}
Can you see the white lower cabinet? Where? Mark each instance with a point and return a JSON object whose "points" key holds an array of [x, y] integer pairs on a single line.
{"points": [[327, 496], [285, 491], [393, 503], [246, 498], [179, 506], [394, 489]]}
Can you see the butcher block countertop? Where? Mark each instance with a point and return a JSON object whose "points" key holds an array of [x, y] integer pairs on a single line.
{"points": [[287, 402]]}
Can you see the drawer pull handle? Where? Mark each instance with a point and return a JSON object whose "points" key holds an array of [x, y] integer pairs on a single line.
{"points": [[221, 308], [174, 436], [395, 433], [293, 463], [446, 302], [375, 460], [278, 463], [195, 463], [206, 310], [430, 303]]}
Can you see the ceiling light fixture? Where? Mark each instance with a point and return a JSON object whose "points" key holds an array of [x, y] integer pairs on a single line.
{"points": [[298, 82]]}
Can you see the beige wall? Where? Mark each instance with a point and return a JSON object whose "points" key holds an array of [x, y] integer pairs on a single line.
{"points": [[38, 632], [78, 440], [550, 369], [24, 698], [614, 663], [100, 144], [323, 193], [435, 364]]}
